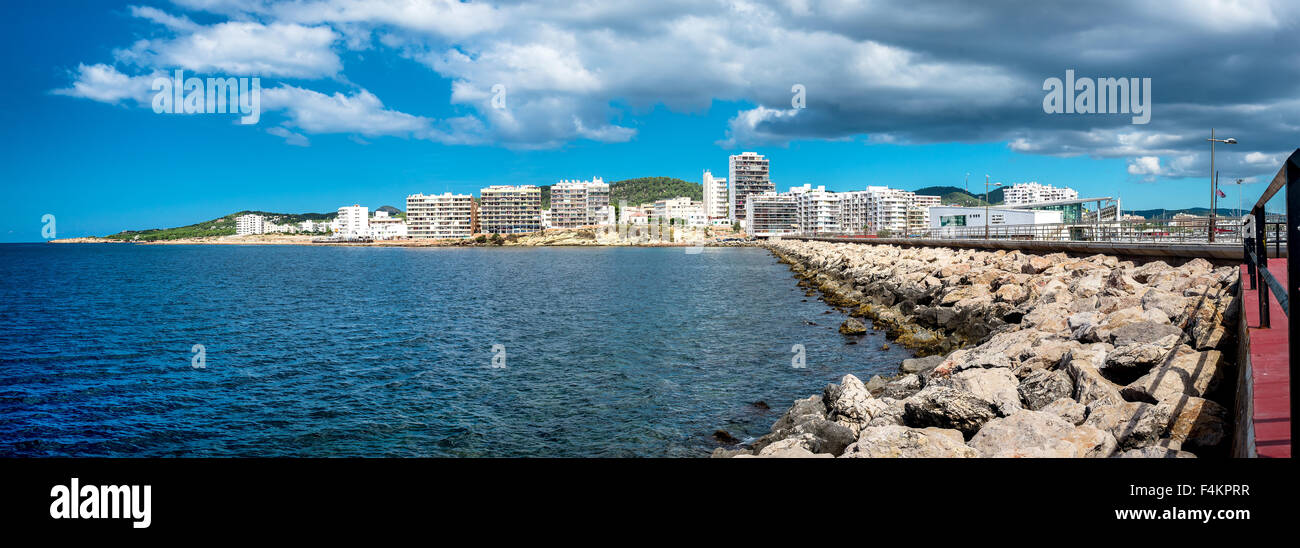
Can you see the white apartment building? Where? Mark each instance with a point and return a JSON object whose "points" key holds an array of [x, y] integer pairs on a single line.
{"points": [[546, 219], [439, 216], [748, 173], [715, 196], [1032, 193], [579, 203], [675, 208], [882, 208], [313, 226], [385, 227], [771, 214], [250, 224], [818, 210], [353, 222], [510, 209], [918, 214]]}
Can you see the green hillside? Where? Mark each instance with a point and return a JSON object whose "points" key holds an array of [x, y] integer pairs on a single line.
{"points": [[643, 190], [952, 195], [221, 226]]}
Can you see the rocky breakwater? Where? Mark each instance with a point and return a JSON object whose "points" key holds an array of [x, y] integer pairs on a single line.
{"points": [[1023, 356]]}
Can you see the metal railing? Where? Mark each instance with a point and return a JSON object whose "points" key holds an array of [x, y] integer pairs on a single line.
{"points": [[1255, 247], [1169, 231]]}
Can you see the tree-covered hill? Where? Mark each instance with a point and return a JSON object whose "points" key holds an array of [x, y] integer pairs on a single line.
{"points": [[643, 190], [221, 226]]}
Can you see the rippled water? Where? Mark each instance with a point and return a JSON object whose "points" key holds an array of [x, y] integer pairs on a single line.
{"points": [[334, 351]]}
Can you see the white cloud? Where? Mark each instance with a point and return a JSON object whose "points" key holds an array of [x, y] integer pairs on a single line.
{"points": [[106, 84], [361, 113], [290, 138], [1144, 165], [244, 48]]}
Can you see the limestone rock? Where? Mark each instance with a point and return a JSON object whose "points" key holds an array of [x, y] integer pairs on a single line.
{"points": [[1191, 373], [1199, 424], [904, 442], [1072, 411], [1040, 388], [853, 326], [946, 407], [1134, 424], [920, 365], [1041, 435]]}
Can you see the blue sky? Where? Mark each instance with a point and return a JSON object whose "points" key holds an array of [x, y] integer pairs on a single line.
{"points": [[103, 165]]}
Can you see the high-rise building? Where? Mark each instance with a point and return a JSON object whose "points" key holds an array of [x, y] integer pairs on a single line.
{"points": [[579, 203], [439, 216], [250, 224], [880, 208], [771, 214], [1033, 193], [353, 222], [715, 196], [748, 174], [818, 210], [510, 209]]}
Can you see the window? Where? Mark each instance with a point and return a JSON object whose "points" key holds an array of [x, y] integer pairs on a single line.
{"points": [[952, 220]]}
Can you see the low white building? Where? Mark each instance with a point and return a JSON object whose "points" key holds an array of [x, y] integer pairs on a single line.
{"points": [[1032, 193], [250, 224], [313, 226], [385, 227], [959, 220]]}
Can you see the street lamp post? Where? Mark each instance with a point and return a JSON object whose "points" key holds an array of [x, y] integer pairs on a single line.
{"points": [[1213, 185], [987, 220]]}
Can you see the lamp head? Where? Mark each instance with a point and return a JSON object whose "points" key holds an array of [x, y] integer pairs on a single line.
{"points": [[1229, 141]]}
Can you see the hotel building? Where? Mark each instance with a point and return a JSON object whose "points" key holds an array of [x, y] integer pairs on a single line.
{"points": [[1032, 193], [818, 210], [384, 227], [510, 209], [440, 216], [715, 196], [250, 224], [748, 173], [579, 203], [353, 222], [771, 214]]}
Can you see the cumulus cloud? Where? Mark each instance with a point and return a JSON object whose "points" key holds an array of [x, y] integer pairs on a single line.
{"points": [[918, 72], [104, 83]]}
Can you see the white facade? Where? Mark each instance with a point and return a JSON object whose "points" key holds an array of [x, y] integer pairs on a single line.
{"points": [[579, 203], [353, 222], [818, 210], [509, 209], [748, 174], [949, 220], [880, 208], [439, 216], [771, 214], [313, 226], [1032, 193], [384, 227], [715, 196], [250, 224]]}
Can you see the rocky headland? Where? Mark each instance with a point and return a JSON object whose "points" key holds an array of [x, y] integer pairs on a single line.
{"points": [[1019, 356]]}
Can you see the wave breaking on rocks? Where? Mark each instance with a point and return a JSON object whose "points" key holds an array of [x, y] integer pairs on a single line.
{"points": [[1018, 356]]}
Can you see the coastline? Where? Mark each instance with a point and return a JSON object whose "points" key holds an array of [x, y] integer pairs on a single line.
{"points": [[550, 238], [1018, 356]]}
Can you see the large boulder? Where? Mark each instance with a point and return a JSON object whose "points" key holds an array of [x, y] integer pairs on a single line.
{"points": [[904, 442], [995, 384], [1083, 365], [947, 407], [853, 326], [1189, 372], [900, 388], [1199, 425], [1043, 435], [793, 448], [849, 403], [920, 365], [1041, 388], [807, 421], [1072, 411], [1134, 424]]}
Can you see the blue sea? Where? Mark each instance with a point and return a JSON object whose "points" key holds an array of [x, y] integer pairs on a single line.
{"points": [[389, 352]]}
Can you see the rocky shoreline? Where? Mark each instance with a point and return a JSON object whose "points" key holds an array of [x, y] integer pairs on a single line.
{"points": [[1019, 356]]}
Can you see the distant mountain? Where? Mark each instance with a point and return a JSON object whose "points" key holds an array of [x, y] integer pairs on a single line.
{"points": [[951, 195], [643, 190], [221, 226], [1169, 213], [389, 209]]}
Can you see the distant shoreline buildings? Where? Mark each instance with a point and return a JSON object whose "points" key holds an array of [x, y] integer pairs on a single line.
{"points": [[746, 197]]}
